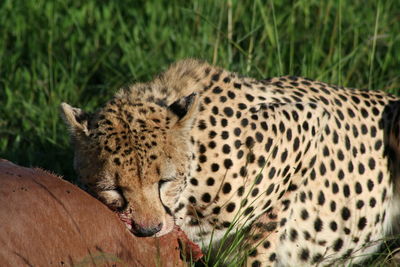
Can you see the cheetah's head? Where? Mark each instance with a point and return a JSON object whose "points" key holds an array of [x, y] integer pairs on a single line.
{"points": [[135, 156]]}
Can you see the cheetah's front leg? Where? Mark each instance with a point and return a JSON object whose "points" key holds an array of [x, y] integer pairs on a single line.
{"points": [[262, 242]]}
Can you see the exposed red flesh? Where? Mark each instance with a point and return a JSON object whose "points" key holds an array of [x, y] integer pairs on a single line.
{"points": [[189, 249]]}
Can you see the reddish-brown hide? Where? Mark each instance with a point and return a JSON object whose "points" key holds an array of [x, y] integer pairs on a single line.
{"points": [[46, 221]]}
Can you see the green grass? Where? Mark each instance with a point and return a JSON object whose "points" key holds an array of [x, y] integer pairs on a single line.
{"points": [[81, 52]]}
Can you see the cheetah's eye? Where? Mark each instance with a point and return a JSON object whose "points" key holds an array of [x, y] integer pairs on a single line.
{"points": [[113, 198]]}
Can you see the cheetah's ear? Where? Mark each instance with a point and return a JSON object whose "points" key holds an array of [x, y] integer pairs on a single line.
{"points": [[185, 110], [76, 118]]}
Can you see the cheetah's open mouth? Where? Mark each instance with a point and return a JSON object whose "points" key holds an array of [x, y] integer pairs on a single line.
{"points": [[189, 249], [125, 219]]}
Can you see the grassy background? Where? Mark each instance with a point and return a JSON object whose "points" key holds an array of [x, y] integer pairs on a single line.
{"points": [[81, 52]]}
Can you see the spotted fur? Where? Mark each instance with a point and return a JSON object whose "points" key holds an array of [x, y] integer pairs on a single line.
{"points": [[312, 168]]}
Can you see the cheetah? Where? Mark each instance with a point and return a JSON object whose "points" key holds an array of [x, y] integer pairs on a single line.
{"points": [[311, 169]]}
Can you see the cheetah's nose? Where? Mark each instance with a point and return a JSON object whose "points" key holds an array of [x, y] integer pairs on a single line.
{"points": [[141, 231]]}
